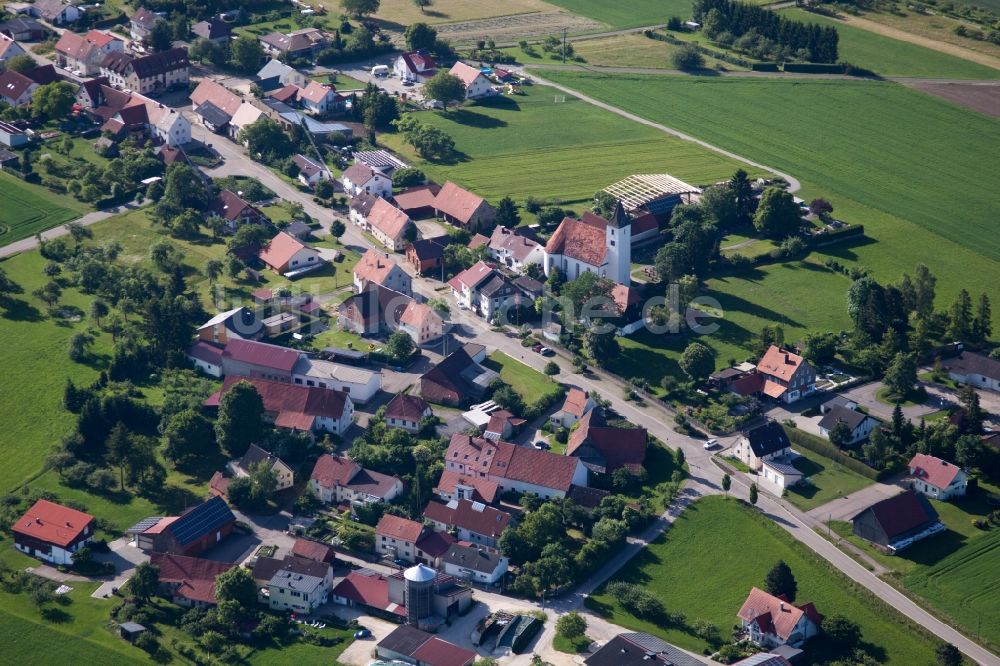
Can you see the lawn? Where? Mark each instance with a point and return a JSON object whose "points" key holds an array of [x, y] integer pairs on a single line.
{"points": [[702, 540], [28, 209], [852, 143], [539, 145], [891, 57], [829, 478], [571, 645], [530, 384]]}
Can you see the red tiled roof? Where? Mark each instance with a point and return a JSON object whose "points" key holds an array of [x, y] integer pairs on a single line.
{"points": [[360, 173], [517, 245], [480, 519], [419, 315], [206, 351], [643, 223], [399, 528], [218, 95], [517, 463], [625, 297], [332, 471], [196, 576], [473, 276], [99, 38], [579, 240], [406, 407], [466, 73], [748, 384], [218, 485], [415, 198], [54, 523], [419, 62], [435, 544], [478, 240], [14, 84], [775, 614], [313, 550], [295, 406], [575, 402], [388, 219], [315, 92], [484, 490], [457, 202], [619, 447], [289, 92], [780, 363], [261, 354], [933, 470], [902, 513], [368, 590], [229, 205], [280, 250], [439, 652], [374, 266]]}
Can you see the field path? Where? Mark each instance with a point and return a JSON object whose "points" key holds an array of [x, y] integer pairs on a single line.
{"points": [[903, 36], [27, 244], [794, 184]]}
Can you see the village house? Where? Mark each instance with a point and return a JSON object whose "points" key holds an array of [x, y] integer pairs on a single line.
{"points": [[141, 23], [386, 597], [235, 210], [474, 522], [897, 522], [502, 425], [254, 456], [310, 171], [399, 538], [359, 208], [316, 551], [307, 409], [375, 311], [484, 290], [475, 82], [188, 581], [515, 468], [85, 53], [56, 12], [380, 160], [422, 323], [604, 449], [276, 74], [781, 375], [302, 43], [474, 564], [16, 89], [214, 104], [771, 621], [514, 250], [288, 256], [462, 208], [131, 114], [9, 48], [240, 323], [764, 442], [196, 530], [214, 30], [978, 370], [148, 74], [592, 245], [247, 114], [456, 380], [416, 66], [359, 177], [245, 358], [389, 225], [936, 478], [859, 423], [406, 412], [339, 480], [576, 404], [454, 486], [426, 255], [320, 99], [635, 649], [24, 29], [293, 583], [52, 532], [377, 267], [409, 645]]}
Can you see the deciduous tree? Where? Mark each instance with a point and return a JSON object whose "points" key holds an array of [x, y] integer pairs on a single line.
{"points": [[777, 214], [241, 419], [420, 35], [697, 361], [445, 88]]}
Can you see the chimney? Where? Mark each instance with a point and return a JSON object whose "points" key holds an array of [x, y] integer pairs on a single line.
{"points": [[782, 606]]}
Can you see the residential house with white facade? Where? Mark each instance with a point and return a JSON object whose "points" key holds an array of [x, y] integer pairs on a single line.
{"points": [[340, 480], [936, 478]]}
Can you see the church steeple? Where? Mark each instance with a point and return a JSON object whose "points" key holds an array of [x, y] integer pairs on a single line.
{"points": [[620, 219]]}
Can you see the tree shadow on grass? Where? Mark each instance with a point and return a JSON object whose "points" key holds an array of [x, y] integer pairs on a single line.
{"points": [[174, 500], [845, 250], [933, 550], [473, 119], [55, 615], [16, 309]]}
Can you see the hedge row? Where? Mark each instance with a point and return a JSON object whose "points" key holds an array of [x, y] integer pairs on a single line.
{"points": [[814, 67], [824, 448], [836, 236]]}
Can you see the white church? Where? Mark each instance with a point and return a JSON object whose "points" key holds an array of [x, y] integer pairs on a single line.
{"points": [[592, 244]]}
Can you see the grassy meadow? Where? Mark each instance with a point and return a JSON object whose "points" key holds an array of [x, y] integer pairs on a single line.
{"points": [[891, 57], [829, 478], [855, 143], [28, 209], [559, 151], [702, 539], [530, 384]]}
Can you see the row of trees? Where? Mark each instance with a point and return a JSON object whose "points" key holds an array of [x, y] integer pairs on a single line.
{"points": [[814, 42]]}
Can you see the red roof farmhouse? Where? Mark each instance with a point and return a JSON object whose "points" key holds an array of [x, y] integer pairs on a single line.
{"points": [[52, 532]]}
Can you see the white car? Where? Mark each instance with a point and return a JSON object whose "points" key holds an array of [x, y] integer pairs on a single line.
{"points": [[710, 444]]}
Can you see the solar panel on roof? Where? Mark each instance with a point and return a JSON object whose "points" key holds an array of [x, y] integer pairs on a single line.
{"points": [[143, 525], [201, 520]]}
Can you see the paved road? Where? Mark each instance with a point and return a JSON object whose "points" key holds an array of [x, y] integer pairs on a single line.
{"points": [[864, 395]]}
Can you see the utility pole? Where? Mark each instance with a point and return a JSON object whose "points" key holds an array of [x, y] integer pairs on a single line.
{"points": [[564, 47]]}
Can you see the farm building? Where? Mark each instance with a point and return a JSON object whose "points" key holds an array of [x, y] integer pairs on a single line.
{"points": [[653, 193]]}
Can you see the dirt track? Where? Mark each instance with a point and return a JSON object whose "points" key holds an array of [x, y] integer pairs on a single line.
{"points": [[502, 29]]}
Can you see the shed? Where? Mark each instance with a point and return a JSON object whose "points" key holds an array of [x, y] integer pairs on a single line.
{"points": [[130, 630]]}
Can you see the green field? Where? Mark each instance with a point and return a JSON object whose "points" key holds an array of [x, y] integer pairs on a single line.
{"points": [[852, 143], [530, 384], [630, 14], [830, 480], [890, 57], [565, 151], [706, 540], [28, 209]]}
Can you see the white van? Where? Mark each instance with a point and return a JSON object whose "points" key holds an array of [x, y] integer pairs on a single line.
{"points": [[380, 70]]}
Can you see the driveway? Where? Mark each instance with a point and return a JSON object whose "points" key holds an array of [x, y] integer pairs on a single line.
{"points": [[845, 508], [864, 395]]}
